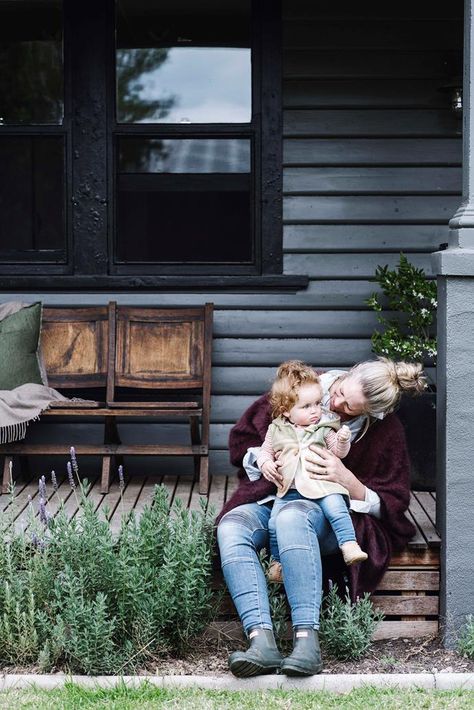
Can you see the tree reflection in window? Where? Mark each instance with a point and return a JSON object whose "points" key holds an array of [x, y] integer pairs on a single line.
{"points": [[133, 65], [184, 62]]}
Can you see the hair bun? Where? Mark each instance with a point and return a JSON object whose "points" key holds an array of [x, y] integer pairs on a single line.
{"points": [[411, 378]]}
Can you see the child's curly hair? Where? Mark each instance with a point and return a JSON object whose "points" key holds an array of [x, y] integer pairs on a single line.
{"points": [[289, 378]]}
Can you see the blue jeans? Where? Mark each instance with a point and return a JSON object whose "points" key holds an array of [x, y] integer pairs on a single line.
{"points": [[335, 509], [303, 534]]}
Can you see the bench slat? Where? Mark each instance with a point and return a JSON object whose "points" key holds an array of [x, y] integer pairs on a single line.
{"points": [[111, 449], [130, 412], [155, 405]]}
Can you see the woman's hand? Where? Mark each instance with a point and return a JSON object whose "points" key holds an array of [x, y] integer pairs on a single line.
{"points": [[323, 465], [271, 473]]}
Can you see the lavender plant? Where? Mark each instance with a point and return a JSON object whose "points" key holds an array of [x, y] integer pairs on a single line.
{"points": [[465, 641], [346, 629], [77, 597]]}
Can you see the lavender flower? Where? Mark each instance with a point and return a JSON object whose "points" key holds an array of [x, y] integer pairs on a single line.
{"points": [[43, 515], [121, 479], [70, 476], [37, 542], [54, 481], [75, 467], [42, 487]]}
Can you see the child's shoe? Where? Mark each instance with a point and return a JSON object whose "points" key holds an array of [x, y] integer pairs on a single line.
{"points": [[274, 572], [352, 553]]}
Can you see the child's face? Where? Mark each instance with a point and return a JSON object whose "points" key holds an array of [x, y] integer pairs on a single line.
{"points": [[307, 409]]}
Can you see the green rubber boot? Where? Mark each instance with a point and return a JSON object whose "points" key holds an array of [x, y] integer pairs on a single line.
{"points": [[305, 658], [261, 658]]}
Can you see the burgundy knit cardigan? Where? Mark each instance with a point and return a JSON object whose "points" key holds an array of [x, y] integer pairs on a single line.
{"points": [[379, 460]]}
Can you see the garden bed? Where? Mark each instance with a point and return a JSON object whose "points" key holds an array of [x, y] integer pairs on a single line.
{"points": [[209, 657], [393, 656]]}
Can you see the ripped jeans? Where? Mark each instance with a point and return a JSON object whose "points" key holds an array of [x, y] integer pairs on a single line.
{"points": [[304, 535]]}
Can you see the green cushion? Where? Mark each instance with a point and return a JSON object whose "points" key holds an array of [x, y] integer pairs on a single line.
{"points": [[19, 337]]}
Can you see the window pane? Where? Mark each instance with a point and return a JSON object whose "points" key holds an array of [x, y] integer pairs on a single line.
{"points": [[184, 201], [31, 196], [206, 155], [31, 64], [183, 61]]}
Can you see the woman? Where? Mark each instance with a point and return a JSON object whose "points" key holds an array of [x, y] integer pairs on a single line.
{"points": [[376, 474]]}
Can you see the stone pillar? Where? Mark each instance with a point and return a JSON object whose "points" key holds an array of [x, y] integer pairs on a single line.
{"points": [[455, 410]]}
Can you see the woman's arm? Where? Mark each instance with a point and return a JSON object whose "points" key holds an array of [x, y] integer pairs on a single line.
{"points": [[323, 465]]}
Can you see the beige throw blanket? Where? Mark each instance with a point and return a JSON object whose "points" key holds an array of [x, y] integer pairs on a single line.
{"points": [[24, 404]]}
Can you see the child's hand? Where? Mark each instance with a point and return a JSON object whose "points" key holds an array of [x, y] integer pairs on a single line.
{"points": [[270, 472], [344, 433]]}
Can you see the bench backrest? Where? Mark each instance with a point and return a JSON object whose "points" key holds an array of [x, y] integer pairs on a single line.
{"points": [[165, 348], [74, 345]]}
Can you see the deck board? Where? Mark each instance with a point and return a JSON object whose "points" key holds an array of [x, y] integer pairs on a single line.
{"points": [[423, 522], [146, 494], [428, 503], [217, 491]]}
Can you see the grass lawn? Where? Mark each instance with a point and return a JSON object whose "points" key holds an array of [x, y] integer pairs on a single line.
{"points": [[147, 696]]}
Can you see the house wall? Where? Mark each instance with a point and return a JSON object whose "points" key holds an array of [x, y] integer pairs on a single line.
{"points": [[372, 157]]}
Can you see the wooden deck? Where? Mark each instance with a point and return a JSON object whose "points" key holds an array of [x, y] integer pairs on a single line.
{"points": [[138, 492], [408, 594]]}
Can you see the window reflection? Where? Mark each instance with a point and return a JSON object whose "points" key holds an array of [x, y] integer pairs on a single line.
{"points": [[177, 66], [31, 64], [184, 200], [204, 155]]}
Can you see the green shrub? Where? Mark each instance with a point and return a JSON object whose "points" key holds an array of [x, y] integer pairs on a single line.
{"points": [[77, 597], [466, 638], [346, 629], [413, 298]]}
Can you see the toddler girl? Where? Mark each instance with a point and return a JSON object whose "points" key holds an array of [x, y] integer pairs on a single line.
{"points": [[297, 424]]}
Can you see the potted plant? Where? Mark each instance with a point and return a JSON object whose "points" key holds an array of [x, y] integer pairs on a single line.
{"points": [[408, 335]]}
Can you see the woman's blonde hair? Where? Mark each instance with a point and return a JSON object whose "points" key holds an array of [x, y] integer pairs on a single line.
{"points": [[291, 375], [384, 381]]}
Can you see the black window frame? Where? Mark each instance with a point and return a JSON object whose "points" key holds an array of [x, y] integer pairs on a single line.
{"points": [[89, 129], [51, 261]]}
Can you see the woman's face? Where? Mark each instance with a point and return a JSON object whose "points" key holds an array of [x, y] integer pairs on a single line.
{"points": [[346, 398]]}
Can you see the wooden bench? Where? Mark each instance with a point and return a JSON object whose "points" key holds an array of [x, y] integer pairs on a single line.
{"points": [[139, 363]]}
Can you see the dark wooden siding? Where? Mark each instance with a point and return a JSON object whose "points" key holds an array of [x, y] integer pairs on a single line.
{"points": [[372, 156]]}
